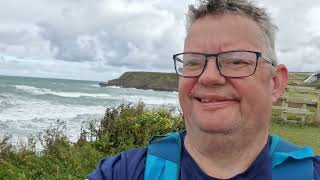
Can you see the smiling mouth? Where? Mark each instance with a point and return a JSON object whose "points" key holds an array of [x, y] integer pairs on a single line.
{"points": [[215, 103], [213, 100], [209, 100]]}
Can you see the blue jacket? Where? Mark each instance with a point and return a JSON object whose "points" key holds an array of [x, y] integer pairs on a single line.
{"points": [[130, 165]]}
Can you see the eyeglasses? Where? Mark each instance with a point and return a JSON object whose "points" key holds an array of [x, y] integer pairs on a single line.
{"points": [[234, 64]]}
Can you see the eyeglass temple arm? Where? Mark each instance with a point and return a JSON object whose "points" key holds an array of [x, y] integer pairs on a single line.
{"points": [[267, 59], [178, 59]]}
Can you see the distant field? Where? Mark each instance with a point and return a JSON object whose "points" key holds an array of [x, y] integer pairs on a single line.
{"points": [[297, 78], [303, 136]]}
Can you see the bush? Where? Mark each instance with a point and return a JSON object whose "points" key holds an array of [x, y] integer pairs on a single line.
{"points": [[122, 127], [130, 126]]}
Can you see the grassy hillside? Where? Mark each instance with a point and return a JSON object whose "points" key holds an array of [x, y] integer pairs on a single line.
{"points": [[169, 81], [147, 80], [297, 78]]}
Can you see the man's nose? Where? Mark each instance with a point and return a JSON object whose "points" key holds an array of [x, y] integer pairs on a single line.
{"points": [[211, 74]]}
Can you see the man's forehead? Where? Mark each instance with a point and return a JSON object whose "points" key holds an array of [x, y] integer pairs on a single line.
{"points": [[224, 33]]}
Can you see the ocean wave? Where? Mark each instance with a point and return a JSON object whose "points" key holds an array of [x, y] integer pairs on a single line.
{"points": [[32, 89], [95, 85], [115, 87], [7, 101], [3, 103], [33, 116], [44, 91], [166, 98], [150, 100], [27, 108], [33, 110]]}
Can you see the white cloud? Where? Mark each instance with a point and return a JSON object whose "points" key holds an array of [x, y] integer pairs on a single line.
{"points": [[113, 36], [313, 21], [93, 70]]}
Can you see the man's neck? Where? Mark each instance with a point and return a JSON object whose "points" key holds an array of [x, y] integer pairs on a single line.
{"points": [[225, 156]]}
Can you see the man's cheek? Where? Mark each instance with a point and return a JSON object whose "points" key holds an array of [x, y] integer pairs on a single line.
{"points": [[186, 85]]}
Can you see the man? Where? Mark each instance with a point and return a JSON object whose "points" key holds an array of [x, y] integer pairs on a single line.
{"points": [[229, 78]]}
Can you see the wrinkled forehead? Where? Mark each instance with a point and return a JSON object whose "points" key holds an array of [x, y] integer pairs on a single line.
{"points": [[227, 32]]}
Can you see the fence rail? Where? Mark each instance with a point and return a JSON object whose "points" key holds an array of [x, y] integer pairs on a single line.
{"points": [[303, 90], [299, 107]]}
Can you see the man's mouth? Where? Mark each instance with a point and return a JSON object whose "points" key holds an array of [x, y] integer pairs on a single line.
{"points": [[214, 102], [203, 100], [213, 99]]}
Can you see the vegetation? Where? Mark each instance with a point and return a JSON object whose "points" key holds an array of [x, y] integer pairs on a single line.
{"points": [[169, 81], [297, 78], [147, 80], [122, 128], [301, 134]]}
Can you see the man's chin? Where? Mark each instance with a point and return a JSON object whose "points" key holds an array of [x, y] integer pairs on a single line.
{"points": [[210, 123], [221, 130], [217, 127]]}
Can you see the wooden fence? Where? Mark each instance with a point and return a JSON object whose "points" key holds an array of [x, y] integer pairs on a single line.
{"points": [[303, 90], [298, 107]]}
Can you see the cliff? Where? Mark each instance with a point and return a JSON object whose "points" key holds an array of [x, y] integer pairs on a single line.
{"points": [[169, 81], [146, 80]]}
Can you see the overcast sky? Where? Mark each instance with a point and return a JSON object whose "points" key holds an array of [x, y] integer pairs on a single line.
{"points": [[101, 39]]}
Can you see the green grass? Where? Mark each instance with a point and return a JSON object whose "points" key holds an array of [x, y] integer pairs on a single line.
{"points": [[122, 128], [298, 134], [312, 96]]}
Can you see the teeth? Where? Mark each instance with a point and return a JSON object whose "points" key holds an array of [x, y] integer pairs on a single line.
{"points": [[207, 100]]}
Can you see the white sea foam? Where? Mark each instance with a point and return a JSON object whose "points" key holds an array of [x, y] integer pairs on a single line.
{"points": [[153, 100], [44, 91], [8, 101], [147, 99], [34, 116], [95, 85], [27, 114], [116, 87], [38, 109], [32, 89]]}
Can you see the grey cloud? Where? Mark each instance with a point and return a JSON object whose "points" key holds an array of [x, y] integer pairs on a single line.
{"points": [[296, 46], [316, 41], [13, 36], [147, 38], [66, 46], [132, 34], [130, 39]]}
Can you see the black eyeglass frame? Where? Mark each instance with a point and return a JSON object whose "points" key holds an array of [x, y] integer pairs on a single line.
{"points": [[258, 56]]}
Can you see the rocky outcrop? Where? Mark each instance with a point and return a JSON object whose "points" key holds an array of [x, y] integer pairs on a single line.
{"points": [[146, 80]]}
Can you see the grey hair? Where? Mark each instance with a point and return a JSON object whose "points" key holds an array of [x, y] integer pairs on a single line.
{"points": [[239, 7]]}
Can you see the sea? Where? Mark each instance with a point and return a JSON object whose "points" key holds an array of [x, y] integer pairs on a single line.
{"points": [[29, 106]]}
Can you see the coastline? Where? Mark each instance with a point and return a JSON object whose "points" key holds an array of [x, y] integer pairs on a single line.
{"points": [[145, 80]]}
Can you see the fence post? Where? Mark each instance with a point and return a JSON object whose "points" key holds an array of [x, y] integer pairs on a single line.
{"points": [[304, 109], [318, 110], [284, 109]]}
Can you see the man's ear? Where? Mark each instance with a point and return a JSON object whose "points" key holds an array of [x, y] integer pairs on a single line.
{"points": [[279, 81]]}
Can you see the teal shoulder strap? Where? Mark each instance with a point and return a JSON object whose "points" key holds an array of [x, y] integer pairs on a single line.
{"points": [[163, 157], [290, 161]]}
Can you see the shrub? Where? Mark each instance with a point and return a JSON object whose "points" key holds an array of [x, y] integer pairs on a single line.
{"points": [[122, 127], [129, 126]]}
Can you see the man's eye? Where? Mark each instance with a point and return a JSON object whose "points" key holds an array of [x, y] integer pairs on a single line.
{"points": [[192, 63], [237, 62]]}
